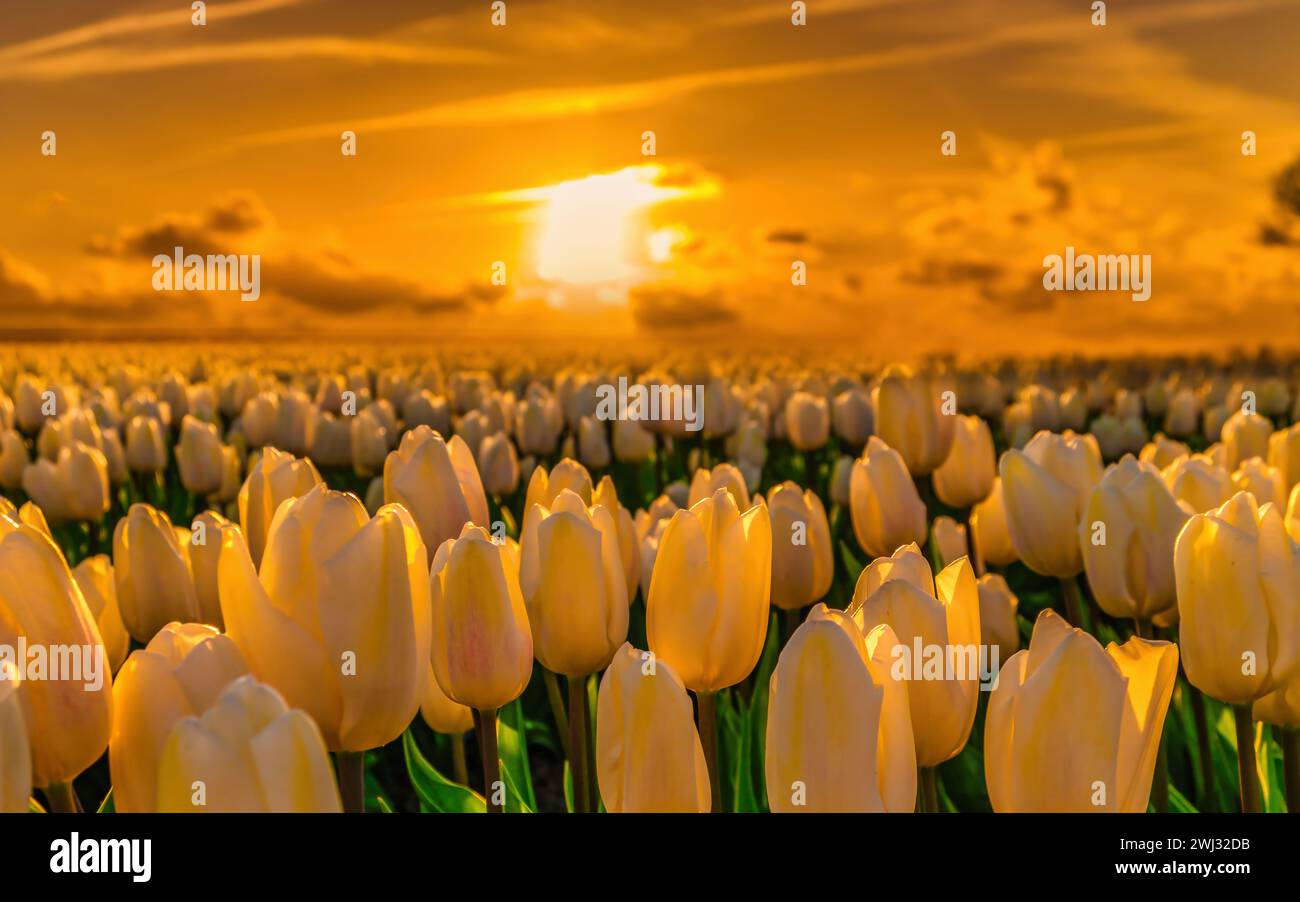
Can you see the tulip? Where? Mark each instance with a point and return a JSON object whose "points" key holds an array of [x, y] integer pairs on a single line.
{"points": [[146, 449], [1073, 407], [1198, 481], [1261, 480], [998, 625], [839, 727], [943, 709], [337, 617], [151, 573], [13, 460], [1246, 435], [906, 563], [15, 751], [633, 443], [853, 417], [606, 495], [498, 464], [966, 476], [1073, 727], [706, 482], [231, 476], [198, 456], [331, 443], [274, 479], [1284, 453], [75, 488], [1161, 451], [1293, 515], [910, 419], [67, 719], [204, 553], [538, 421], [1238, 581], [648, 753], [1180, 419], [1127, 538], [950, 540], [438, 482], [1045, 488], [369, 442], [249, 752], [807, 421], [886, 509], [180, 673], [803, 561], [94, 577], [841, 480], [593, 443], [482, 648]]}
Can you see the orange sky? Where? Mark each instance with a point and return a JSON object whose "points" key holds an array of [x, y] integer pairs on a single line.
{"points": [[774, 143]]}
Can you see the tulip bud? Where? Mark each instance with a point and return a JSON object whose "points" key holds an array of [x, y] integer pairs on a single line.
{"points": [[1198, 481], [1238, 581], [231, 476], [13, 460], [331, 444], [841, 480], [441, 713], [1127, 538], [482, 641], [593, 443], [966, 476], [180, 673], [950, 539], [1072, 727], [1045, 488], [648, 753], [911, 420], [853, 417], [887, 511], [152, 573], [248, 753], [998, 625], [337, 617], [707, 610], [606, 496], [67, 719], [94, 577], [198, 456], [1246, 435], [839, 728], [146, 449], [943, 708], [15, 751], [438, 482], [1261, 480], [807, 421], [203, 548], [803, 561], [633, 443], [498, 464], [1161, 451], [1284, 453], [75, 488], [706, 482], [275, 478], [1180, 419]]}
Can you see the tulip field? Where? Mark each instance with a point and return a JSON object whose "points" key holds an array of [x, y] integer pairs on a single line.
{"points": [[316, 579]]}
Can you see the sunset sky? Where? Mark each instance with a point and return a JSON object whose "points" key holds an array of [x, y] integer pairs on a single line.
{"points": [[523, 144]]}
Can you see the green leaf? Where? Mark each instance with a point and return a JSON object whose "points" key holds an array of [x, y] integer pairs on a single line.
{"points": [[436, 792], [1178, 803], [568, 788], [516, 803], [512, 742], [34, 807], [851, 563], [383, 806], [107, 806]]}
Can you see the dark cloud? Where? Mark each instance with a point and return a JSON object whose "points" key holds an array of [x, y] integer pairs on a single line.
{"points": [[669, 307]]}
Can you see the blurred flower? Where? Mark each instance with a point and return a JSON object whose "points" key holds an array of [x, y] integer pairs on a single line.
{"points": [[146, 448], [988, 523], [198, 457], [1162, 451], [853, 417], [498, 465], [1246, 435], [1284, 453], [1261, 480], [75, 488], [803, 559], [707, 609], [250, 753], [807, 421], [633, 443], [648, 753], [1196, 480], [1181, 418], [15, 750], [1073, 727], [841, 480], [966, 476], [94, 577], [950, 538], [203, 549], [274, 479], [593, 443], [887, 511], [839, 728], [1045, 488], [180, 673], [152, 573], [706, 482], [438, 483], [909, 419], [998, 625]]}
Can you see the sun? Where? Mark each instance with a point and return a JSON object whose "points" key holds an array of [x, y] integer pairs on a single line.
{"points": [[592, 227]]}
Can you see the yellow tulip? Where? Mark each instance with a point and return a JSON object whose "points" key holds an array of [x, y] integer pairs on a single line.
{"points": [[606, 495], [998, 625], [1197, 480], [482, 643], [574, 585], [438, 482], [203, 548], [274, 479], [803, 562], [498, 464], [946, 618], [707, 610], [1238, 581], [724, 476], [249, 752], [1293, 514], [633, 443], [146, 448], [180, 673], [966, 476], [441, 713], [648, 753], [1127, 538], [74, 488], [1246, 435], [544, 487], [67, 719], [887, 511], [807, 421], [13, 459], [231, 476], [950, 539], [1161, 451], [15, 751], [911, 420], [1045, 488], [152, 573], [852, 416], [906, 563], [337, 618], [1284, 453], [593, 443], [1261, 480], [839, 727], [1181, 417], [94, 577], [1073, 727], [198, 456], [988, 523]]}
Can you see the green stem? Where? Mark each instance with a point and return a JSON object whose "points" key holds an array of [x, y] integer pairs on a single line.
{"points": [[1246, 760], [487, 743], [976, 563], [708, 717], [1291, 766], [352, 781], [459, 767], [578, 745], [557, 708], [62, 798], [929, 787], [1202, 745], [1073, 608]]}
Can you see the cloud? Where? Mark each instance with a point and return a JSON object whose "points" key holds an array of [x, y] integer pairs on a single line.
{"points": [[671, 307]]}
